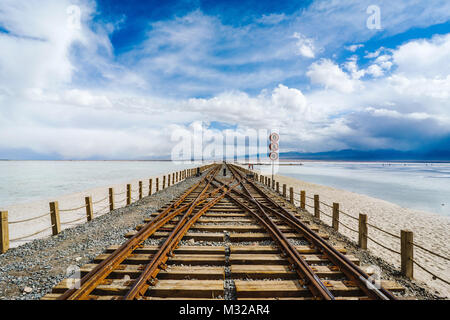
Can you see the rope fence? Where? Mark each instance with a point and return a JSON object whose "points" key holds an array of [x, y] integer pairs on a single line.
{"points": [[73, 221], [383, 246], [30, 235], [30, 219], [429, 272], [99, 201], [74, 209], [406, 244], [144, 189]]}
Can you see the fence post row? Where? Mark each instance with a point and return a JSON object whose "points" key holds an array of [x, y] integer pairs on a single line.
{"points": [[128, 194], [4, 232], [303, 199], [316, 206], [291, 195], [111, 199], [54, 217], [89, 212], [362, 231], [335, 222], [407, 253]]}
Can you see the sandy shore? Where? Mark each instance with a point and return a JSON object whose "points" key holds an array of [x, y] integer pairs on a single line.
{"points": [[100, 199], [430, 230]]}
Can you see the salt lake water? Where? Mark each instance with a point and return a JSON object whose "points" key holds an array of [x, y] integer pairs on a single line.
{"points": [[420, 186], [26, 181], [417, 186]]}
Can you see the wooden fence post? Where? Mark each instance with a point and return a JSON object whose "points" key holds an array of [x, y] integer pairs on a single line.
{"points": [[173, 178], [89, 211], [140, 190], [168, 180], [273, 184], [177, 177], [4, 231], [54, 216], [284, 190], [291, 195], [128, 194], [362, 234], [407, 253], [111, 199], [157, 185], [335, 222], [278, 187], [316, 206], [164, 182], [149, 187], [303, 199]]}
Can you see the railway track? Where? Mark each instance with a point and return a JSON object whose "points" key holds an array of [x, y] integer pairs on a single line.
{"points": [[226, 237]]}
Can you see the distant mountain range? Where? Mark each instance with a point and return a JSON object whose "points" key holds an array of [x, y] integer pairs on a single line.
{"points": [[339, 155], [372, 155]]}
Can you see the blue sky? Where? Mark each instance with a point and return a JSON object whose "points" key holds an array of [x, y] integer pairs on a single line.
{"points": [[118, 81]]}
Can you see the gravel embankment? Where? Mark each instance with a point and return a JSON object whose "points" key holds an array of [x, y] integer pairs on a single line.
{"points": [[30, 271], [414, 289]]}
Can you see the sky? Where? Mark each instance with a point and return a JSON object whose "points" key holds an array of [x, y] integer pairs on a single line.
{"points": [[86, 79]]}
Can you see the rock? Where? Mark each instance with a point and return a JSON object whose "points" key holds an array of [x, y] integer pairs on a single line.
{"points": [[27, 290], [191, 241]]}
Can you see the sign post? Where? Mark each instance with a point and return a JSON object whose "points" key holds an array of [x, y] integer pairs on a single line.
{"points": [[274, 146]]}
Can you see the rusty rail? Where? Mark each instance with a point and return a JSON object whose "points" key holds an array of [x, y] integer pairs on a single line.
{"points": [[352, 271]]}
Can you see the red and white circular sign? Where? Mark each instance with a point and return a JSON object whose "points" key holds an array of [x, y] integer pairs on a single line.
{"points": [[273, 146], [274, 137], [273, 156]]}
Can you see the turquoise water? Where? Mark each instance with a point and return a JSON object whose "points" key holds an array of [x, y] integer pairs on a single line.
{"points": [[419, 186], [25, 181]]}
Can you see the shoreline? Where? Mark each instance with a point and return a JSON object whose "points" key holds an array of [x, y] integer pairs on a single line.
{"points": [[100, 199], [430, 230]]}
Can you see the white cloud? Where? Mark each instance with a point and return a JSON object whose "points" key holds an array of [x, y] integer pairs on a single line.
{"points": [[429, 58], [43, 108], [354, 47], [272, 18], [330, 75], [305, 46]]}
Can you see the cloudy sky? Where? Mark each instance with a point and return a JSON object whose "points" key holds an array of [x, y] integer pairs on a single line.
{"points": [[111, 79]]}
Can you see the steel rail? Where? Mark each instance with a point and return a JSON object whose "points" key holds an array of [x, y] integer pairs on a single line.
{"points": [[103, 269], [148, 276], [349, 269], [305, 273]]}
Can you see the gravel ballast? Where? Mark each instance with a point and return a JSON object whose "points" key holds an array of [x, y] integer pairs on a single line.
{"points": [[30, 271]]}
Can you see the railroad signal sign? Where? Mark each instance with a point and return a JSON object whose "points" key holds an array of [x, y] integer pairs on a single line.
{"points": [[274, 137], [273, 156], [273, 146]]}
